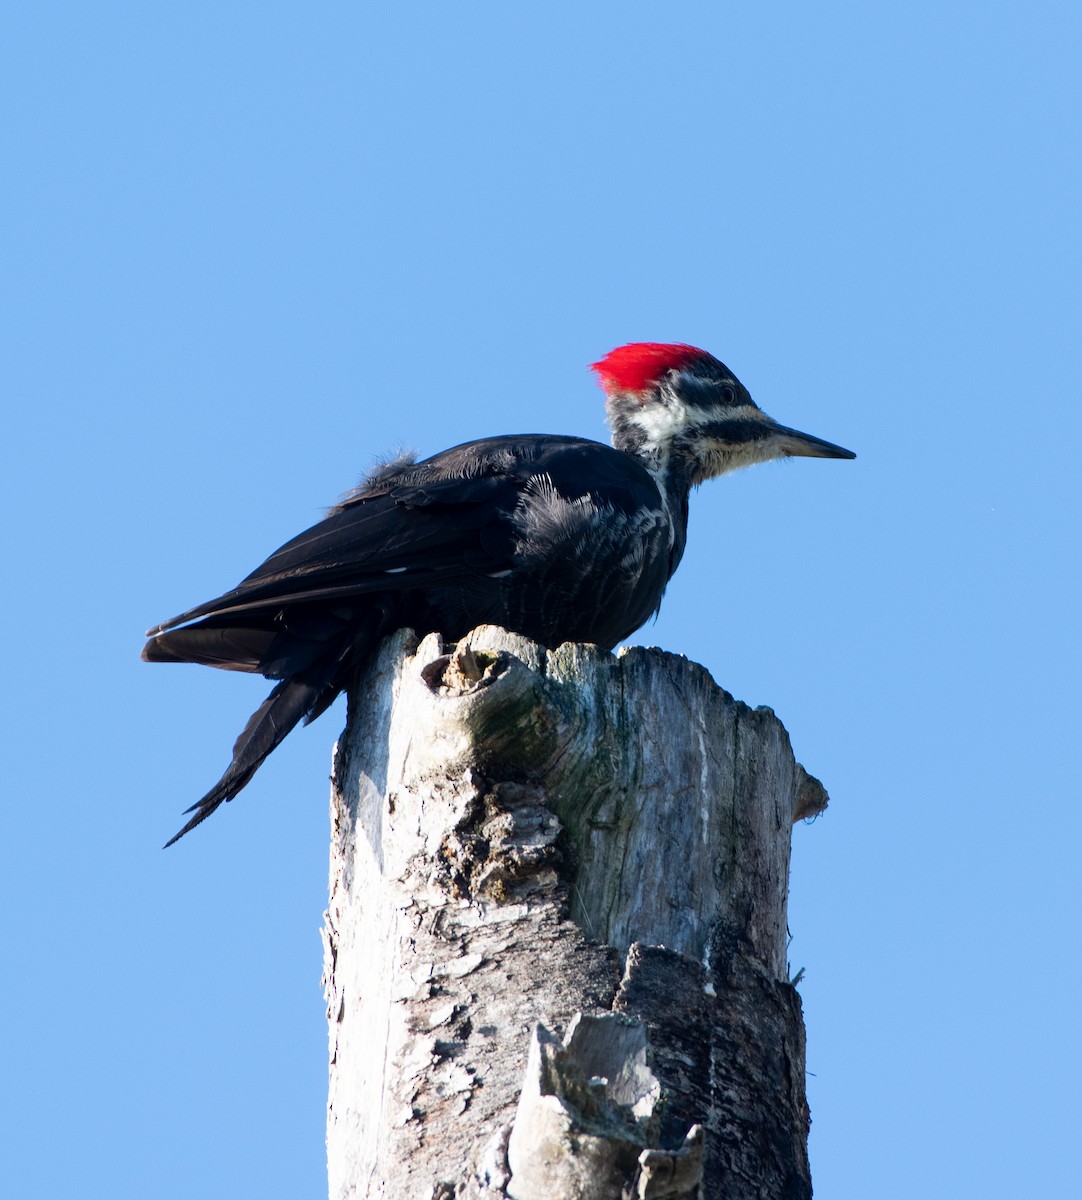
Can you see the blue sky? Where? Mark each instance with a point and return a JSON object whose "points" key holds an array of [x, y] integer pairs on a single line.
{"points": [[249, 248]]}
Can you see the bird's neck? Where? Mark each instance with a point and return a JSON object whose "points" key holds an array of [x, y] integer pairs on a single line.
{"points": [[672, 472], [652, 443]]}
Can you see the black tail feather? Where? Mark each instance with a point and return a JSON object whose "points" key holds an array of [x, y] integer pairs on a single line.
{"points": [[288, 703], [232, 649]]}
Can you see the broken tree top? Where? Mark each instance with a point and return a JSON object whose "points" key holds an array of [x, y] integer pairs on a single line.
{"points": [[528, 846]]}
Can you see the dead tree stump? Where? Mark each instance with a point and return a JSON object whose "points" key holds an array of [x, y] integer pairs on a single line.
{"points": [[555, 945]]}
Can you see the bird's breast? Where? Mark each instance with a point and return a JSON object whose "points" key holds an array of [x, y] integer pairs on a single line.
{"points": [[588, 568]]}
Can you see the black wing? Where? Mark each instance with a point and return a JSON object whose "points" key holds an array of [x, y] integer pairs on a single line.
{"points": [[393, 540]]}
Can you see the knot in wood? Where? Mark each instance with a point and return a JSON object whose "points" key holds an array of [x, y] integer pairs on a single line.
{"points": [[505, 847]]}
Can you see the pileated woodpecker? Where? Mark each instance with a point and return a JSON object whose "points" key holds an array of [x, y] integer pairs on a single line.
{"points": [[561, 539]]}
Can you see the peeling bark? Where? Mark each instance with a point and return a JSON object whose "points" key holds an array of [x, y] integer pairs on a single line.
{"points": [[555, 945]]}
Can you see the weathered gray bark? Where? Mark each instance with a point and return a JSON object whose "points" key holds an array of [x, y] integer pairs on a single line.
{"points": [[555, 945]]}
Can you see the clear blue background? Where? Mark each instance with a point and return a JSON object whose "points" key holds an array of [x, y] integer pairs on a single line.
{"points": [[247, 248]]}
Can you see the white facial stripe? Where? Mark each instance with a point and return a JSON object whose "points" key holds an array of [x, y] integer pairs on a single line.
{"points": [[661, 423]]}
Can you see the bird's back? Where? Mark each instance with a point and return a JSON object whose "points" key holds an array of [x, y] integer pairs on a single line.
{"points": [[558, 538]]}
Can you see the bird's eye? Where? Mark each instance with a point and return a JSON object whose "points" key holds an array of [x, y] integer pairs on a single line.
{"points": [[727, 394]]}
